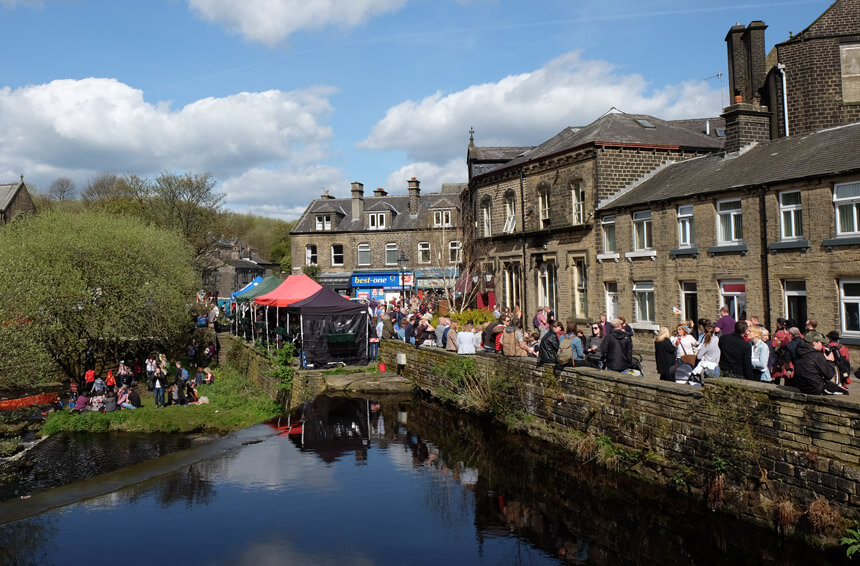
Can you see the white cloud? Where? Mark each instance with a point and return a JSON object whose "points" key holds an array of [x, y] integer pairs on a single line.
{"points": [[431, 175], [77, 128], [282, 193], [529, 108], [271, 21]]}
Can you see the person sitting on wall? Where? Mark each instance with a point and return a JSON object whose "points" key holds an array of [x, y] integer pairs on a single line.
{"points": [[736, 353], [548, 349], [617, 347], [815, 370]]}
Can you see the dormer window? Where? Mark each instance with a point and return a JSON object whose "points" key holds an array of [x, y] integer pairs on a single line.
{"points": [[442, 218], [323, 222], [376, 221]]}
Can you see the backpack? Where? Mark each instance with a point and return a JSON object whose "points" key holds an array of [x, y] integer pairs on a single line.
{"points": [[564, 351], [184, 374], [445, 337], [842, 364], [499, 341], [783, 368]]}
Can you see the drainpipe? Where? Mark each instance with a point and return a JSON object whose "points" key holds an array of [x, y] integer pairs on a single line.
{"points": [[781, 68], [765, 260], [523, 284]]}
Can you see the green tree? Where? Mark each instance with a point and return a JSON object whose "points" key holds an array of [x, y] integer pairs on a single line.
{"points": [[84, 282]]}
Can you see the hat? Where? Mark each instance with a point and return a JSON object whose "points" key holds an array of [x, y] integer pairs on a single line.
{"points": [[780, 321], [833, 335], [814, 336]]}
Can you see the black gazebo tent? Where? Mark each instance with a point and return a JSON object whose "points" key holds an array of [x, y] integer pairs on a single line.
{"points": [[333, 329]]}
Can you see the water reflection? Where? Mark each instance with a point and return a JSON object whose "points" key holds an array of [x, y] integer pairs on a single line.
{"points": [[403, 481]]}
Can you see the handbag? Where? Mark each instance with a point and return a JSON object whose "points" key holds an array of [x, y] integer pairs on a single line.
{"points": [[687, 358]]}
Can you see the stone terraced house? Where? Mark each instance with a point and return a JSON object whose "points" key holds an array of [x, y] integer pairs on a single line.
{"points": [[357, 242]]}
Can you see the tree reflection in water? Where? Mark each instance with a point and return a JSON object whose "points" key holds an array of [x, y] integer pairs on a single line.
{"points": [[23, 543]]}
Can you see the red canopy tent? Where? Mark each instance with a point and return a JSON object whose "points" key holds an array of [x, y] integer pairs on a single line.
{"points": [[294, 289]]}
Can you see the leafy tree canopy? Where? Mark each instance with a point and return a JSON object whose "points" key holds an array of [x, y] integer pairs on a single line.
{"points": [[84, 282]]}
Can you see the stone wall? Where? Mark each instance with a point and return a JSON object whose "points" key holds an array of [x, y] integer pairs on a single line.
{"points": [[772, 443]]}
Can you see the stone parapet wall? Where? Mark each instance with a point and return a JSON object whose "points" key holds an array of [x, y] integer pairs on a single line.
{"points": [[773, 444]]}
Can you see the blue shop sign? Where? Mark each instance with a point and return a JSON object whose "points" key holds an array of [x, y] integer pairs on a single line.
{"points": [[382, 280]]}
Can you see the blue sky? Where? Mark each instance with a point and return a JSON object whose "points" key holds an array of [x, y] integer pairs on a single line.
{"points": [[279, 99]]}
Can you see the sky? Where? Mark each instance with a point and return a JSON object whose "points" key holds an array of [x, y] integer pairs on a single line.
{"points": [[281, 100]]}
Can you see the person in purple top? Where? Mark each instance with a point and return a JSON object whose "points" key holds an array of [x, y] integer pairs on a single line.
{"points": [[725, 324]]}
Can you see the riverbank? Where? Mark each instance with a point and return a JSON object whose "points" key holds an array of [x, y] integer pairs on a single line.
{"points": [[234, 403]]}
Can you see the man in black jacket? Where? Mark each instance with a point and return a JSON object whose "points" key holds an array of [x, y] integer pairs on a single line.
{"points": [[814, 369], [548, 347], [736, 353], [617, 347]]}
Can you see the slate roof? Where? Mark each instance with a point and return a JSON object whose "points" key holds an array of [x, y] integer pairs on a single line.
{"points": [[7, 193], [397, 204], [826, 152], [619, 128]]}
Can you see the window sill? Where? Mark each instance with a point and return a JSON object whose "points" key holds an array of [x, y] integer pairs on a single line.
{"points": [[693, 251], [641, 253], [801, 245], [840, 241], [644, 326], [850, 340], [728, 249], [608, 257]]}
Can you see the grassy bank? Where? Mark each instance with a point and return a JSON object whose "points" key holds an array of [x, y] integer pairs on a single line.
{"points": [[234, 403]]}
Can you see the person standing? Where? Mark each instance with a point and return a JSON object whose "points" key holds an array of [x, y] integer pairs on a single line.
{"points": [[725, 324], [760, 355], [617, 348], [736, 353], [664, 354], [158, 387], [549, 343]]}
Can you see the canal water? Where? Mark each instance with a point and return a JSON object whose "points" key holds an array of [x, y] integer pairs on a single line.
{"points": [[395, 480]]}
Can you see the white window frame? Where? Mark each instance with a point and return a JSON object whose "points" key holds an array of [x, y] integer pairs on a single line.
{"points": [[735, 300], [847, 204], [580, 285], [688, 288], [607, 224], [323, 222], [455, 251], [547, 284], [543, 208], [512, 279], [389, 248], [790, 216], [849, 322], [577, 203], [790, 288], [643, 237], [442, 218], [486, 219], [510, 214], [363, 249], [311, 257], [686, 226], [423, 252], [643, 297], [376, 221], [333, 254], [611, 294], [735, 216]]}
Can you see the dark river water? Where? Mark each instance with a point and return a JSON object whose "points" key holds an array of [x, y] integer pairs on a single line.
{"points": [[367, 482]]}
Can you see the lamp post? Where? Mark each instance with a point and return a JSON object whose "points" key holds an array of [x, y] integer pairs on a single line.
{"points": [[402, 261]]}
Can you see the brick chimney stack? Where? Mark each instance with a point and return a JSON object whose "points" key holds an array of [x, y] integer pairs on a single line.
{"points": [[745, 123], [357, 200], [414, 195], [746, 58]]}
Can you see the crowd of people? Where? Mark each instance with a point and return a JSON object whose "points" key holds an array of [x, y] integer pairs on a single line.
{"points": [[608, 346], [120, 390], [814, 363]]}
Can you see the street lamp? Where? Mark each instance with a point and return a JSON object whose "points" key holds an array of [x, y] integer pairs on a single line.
{"points": [[402, 261]]}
